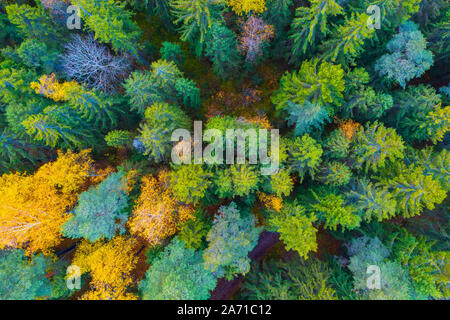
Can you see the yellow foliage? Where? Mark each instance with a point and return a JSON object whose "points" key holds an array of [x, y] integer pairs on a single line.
{"points": [[110, 265], [157, 214], [271, 201], [246, 6], [349, 128], [49, 87], [33, 208]]}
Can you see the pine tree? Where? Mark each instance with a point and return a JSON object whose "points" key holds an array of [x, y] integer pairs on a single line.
{"points": [[221, 48], [304, 156], [375, 144], [310, 23], [231, 238], [177, 273], [408, 57], [190, 182], [101, 211], [296, 228]]}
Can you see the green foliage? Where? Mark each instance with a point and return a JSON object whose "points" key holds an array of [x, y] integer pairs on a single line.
{"points": [[295, 228], [348, 40], [101, 211], [336, 174], [190, 182], [334, 211], [161, 119], [372, 201], [221, 48], [23, 278], [411, 108], [231, 238], [414, 190], [172, 52], [337, 145], [281, 183], [111, 23], [118, 138], [319, 84], [295, 279], [426, 267], [35, 54], [310, 23], [193, 233], [177, 274], [408, 56], [375, 144], [304, 156]]}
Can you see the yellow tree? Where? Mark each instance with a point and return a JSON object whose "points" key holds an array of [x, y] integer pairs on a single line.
{"points": [[33, 207], [110, 265], [157, 214], [247, 6]]}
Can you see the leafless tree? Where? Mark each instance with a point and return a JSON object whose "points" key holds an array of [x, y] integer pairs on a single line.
{"points": [[93, 64]]}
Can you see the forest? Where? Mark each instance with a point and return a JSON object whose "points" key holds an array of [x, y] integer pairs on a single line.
{"points": [[354, 96]]}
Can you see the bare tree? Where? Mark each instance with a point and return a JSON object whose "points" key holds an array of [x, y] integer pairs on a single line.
{"points": [[93, 64]]}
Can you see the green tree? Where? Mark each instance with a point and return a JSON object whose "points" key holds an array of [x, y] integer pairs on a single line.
{"points": [[334, 211], [310, 23], [231, 238], [118, 138], [375, 144], [304, 156], [161, 119], [414, 190], [281, 183], [321, 84], [335, 173], [101, 211], [221, 48], [190, 182], [177, 273], [28, 278], [111, 23], [296, 228], [294, 279], [172, 52]]}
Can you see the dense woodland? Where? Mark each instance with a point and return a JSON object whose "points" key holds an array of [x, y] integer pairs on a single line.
{"points": [[87, 114]]}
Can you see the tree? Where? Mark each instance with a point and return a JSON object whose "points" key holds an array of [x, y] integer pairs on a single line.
{"points": [[306, 117], [36, 54], [157, 214], [195, 16], [87, 61], [25, 278], [371, 201], [161, 119], [395, 282], [281, 183], [245, 180], [221, 48], [434, 164], [310, 23], [118, 138], [247, 6], [294, 279], [335, 173], [172, 52], [304, 156], [337, 145], [319, 84], [375, 144], [177, 274], [437, 123], [411, 112], [255, 35], [334, 211], [111, 23], [32, 22], [230, 239], [33, 207], [101, 211], [190, 182], [348, 39], [188, 93], [296, 228], [414, 190], [110, 265], [14, 152], [408, 56]]}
